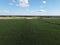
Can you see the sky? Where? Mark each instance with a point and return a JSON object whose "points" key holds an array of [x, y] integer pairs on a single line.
{"points": [[30, 7]]}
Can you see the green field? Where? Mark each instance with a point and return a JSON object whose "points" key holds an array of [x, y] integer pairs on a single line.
{"points": [[30, 32]]}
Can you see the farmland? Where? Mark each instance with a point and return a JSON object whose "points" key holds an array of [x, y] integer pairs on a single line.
{"points": [[30, 32]]}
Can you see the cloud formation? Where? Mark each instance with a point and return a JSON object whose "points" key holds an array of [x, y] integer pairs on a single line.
{"points": [[20, 3], [42, 11], [38, 11], [44, 2], [23, 3]]}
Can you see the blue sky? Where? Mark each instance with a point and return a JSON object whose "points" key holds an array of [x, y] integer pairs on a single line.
{"points": [[30, 7]]}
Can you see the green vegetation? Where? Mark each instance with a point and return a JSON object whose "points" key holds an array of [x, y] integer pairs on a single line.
{"points": [[29, 32]]}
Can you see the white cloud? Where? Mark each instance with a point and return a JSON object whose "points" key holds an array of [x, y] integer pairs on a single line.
{"points": [[23, 3], [39, 11], [42, 10], [53, 12], [44, 2], [20, 3]]}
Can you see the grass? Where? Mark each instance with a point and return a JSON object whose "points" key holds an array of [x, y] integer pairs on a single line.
{"points": [[29, 32]]}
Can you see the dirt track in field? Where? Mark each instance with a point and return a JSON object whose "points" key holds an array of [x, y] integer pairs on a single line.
{"points": [[18, 17]]}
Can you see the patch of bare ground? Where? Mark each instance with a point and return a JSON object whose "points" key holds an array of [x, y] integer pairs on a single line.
{"points": [[18, 17]]}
